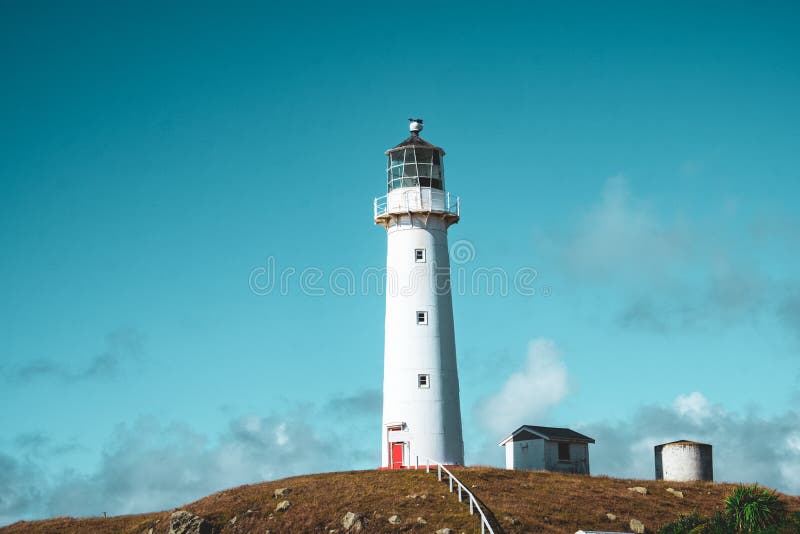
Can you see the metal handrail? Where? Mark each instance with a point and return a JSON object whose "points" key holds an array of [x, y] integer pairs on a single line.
{"points": [[473, 502], [452, 204], [381, 205]]}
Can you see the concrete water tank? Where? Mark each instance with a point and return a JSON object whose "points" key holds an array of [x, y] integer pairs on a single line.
{"points": [[682, 461]]}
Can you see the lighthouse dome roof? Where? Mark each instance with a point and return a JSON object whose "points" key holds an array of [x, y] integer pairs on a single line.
{"points": [[415, 141]]}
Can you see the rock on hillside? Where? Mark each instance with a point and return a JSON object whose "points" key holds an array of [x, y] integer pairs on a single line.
{"points": [[185, 523]]}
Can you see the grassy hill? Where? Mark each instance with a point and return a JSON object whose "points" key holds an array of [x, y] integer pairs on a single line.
{"points": [[520, 502]]}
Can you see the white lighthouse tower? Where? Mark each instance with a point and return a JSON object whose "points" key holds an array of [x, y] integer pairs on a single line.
{"points": [[421, 407]]}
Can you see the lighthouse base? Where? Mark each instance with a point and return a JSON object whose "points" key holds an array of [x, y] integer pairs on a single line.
{"points": [[417, 467]]}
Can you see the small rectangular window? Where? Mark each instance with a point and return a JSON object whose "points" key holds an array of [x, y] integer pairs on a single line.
{"points": [[563, 452], [424, 381], [422, 317], [419, 255]]}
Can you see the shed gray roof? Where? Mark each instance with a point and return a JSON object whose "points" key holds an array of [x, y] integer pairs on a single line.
{"points": [[546, 432]]}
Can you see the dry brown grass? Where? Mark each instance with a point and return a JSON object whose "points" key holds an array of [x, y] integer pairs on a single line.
{"points": [[557, 503], [541, 502]]}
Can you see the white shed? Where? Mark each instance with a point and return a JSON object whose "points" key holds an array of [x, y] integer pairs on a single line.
{"points": [[547, 448]]}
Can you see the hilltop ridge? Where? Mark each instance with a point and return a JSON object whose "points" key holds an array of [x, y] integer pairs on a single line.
{"points": [[521, 501]]}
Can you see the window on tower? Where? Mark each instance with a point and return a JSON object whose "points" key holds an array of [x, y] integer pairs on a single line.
{"points": [[419, 255], [424, 381], [422, 317]]}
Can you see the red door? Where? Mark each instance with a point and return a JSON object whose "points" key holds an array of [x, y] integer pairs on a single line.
{"points": [[397, 455]]}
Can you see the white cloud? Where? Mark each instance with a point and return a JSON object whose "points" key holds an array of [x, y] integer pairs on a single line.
{"points": [[281, 437], [746, 448], [693, 406], [790, 464], [529, 392], [793, 442], [150, 465], [20, 488], [673, 273], [621, 236]]}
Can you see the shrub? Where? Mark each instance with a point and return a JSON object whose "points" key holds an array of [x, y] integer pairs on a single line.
{"points": [[716, 524], [683, 525], [752, 509]]}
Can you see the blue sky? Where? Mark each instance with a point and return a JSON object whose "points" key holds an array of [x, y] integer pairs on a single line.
{"points": [[641, 157]]}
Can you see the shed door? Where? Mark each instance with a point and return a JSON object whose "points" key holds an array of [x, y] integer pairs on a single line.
{"points": [[397, 455]]}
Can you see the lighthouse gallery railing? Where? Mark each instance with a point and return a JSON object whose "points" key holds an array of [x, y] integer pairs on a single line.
{"points": [[420, 199], [473, 502]]}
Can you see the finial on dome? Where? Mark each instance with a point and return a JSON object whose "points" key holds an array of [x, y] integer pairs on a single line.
{"points": [[415, 126]]}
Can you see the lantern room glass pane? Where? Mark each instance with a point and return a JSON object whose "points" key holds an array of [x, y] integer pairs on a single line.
{"points": [[410, 155], [424, 155], [409, 169], [396, 158], [426, 170]]}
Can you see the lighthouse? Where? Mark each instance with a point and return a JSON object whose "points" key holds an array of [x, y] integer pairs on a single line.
{"points": [[421, 407]]}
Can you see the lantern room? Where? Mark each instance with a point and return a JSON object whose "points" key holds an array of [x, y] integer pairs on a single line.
{"points": [[415, 181], [415, 162]]}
